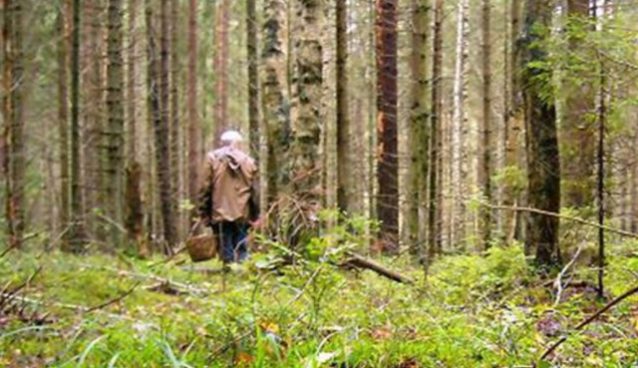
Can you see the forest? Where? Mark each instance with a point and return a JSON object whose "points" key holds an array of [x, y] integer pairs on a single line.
{"points": [[435, 183]]}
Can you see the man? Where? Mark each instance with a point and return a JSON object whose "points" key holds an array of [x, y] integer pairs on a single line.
{"points": [[229, 198]]}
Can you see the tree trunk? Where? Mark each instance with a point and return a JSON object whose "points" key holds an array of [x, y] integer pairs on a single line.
{"points": [[131, 87], [134, 221], [275, 97], [14, 121], [253, 76], [63, 116], [114, 133], [387, 164], [542, 143], [92, 187], [418, 137], [306, 123], [162, 131], [175, 133], [221, 69], [344, 164], [485, 157], [434, 237], [513, 122], [578, 143], [77, 236], [459, 125], [194, 128]]}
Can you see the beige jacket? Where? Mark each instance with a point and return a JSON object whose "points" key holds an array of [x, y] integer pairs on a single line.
{"points": [[230, 190]]}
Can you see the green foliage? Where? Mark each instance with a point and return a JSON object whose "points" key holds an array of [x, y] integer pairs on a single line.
{"points": [[471, 311]]}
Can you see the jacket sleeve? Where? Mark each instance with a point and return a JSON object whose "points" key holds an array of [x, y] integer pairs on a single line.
{"points": [[205, 200]]}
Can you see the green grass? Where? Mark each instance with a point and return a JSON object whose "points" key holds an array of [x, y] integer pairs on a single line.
{"points": [[472, 311]]}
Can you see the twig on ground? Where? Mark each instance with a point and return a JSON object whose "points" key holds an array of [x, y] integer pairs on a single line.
{"points": [[361, 262], [558, 283], [590, 319], [114, 300], [187, 288]]}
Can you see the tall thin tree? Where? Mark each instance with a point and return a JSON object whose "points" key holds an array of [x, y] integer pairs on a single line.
{"points": [[162, 131], [221, 67], [194, 129], [419, 114], [77, 236], [387, 144], [253, 76], [63, 112], [485, 155], [14, 121], [434, 238], [344, 166], [114, 130], [459, 123]]}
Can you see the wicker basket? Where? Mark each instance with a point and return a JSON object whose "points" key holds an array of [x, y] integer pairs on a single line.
{"points": [[202, 247]]}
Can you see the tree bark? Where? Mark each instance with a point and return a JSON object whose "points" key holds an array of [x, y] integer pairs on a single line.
{"points": [[344, 164], [63, 114], [77, 236], [485, 157], [131, 110], [307, 119], [194, 128], [253, 77], [459, 124], [221, 69], [434, 237], [134, 219], [14, 121], [158, 80], [419, 115], [542, 143], [387, 164], [114, 132], [174, 125], [275, 97]]}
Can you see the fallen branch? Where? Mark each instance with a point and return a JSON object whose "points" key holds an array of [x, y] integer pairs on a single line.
{"points": [[562, 217], [361, 262], [114, 300], [589, 320], [161, 280]]}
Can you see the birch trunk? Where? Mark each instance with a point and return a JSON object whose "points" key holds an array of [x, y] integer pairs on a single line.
{"points": [[459, 126]]}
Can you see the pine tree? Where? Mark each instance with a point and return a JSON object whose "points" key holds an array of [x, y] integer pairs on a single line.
{"points": [[275, 96], [13, 75], [253, 76], [542, 143], [387, 164], [344, 165], [114, 131], [419, 114], [485, 157]]}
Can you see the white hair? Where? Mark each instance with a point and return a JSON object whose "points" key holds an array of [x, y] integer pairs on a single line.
{"points": [[231, 137]]}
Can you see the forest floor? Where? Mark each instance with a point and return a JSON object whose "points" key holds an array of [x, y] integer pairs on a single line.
{"points": [[472, 311]]}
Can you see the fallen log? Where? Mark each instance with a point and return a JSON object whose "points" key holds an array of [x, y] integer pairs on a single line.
{"points": [[359, 261]]}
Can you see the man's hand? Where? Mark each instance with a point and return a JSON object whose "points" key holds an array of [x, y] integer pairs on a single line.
{"points": [[257, 224]]}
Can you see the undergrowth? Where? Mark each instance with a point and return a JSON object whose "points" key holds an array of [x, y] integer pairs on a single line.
{"points": [[470, 311]]}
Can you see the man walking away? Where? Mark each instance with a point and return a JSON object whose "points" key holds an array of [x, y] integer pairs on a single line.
{"points": [[229, 200]]}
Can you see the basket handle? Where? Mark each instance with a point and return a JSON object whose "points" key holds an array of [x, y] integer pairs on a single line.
{"points": [[194, 228]]}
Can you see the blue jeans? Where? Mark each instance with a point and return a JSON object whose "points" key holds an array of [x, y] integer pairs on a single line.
{"points": [[233, 239]]}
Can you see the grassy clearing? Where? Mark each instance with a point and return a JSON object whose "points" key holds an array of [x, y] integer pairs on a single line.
{"points": [[472, 312]]}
